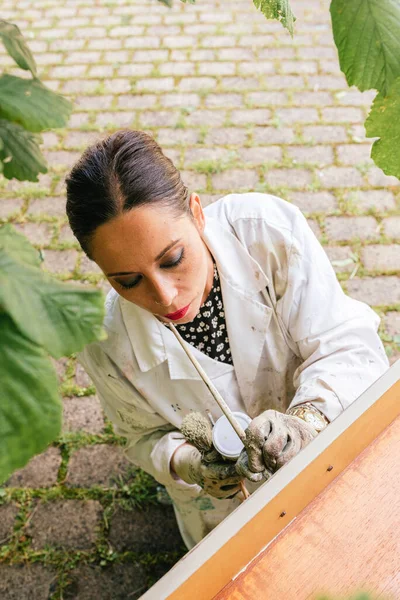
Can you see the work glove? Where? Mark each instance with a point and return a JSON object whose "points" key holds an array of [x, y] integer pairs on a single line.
{"points": [[272, 439], [219, 479]]}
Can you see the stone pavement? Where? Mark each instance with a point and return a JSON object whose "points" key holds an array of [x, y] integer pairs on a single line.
{"points": [[238, 106]]}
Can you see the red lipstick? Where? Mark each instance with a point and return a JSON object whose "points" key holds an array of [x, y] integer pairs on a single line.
{"points": [[179, 314]]}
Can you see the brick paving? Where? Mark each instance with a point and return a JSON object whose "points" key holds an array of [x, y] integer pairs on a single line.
{"points": [[238, 106]]}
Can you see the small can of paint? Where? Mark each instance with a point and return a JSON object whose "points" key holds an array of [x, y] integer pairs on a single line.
{"points": [[225, 439]]}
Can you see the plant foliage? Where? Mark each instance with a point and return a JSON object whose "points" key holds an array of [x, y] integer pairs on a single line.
{"points": [[16, 47], [272, 9], [38, 316], [367, 36], [366, 33], [32, 105], [277, 9], [30, 409], [26, 107], [384, 122], [53, 315], [19, 152]]}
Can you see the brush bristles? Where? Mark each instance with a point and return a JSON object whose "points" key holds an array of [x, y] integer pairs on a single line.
{"points": [[197, 430]]}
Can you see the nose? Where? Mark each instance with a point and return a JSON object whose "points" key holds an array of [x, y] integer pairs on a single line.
{"points": [[164, 291]]}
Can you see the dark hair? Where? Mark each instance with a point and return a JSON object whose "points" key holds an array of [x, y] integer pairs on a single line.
{"points": [[123, 171]]}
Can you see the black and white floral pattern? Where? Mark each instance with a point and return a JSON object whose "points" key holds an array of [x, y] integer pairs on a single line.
{"points": [[207, 332]]}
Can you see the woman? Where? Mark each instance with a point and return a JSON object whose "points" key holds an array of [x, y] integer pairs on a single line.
{"points": [[248, 286]]}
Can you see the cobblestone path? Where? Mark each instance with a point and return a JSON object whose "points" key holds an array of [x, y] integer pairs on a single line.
{"points": [[239, 106]]}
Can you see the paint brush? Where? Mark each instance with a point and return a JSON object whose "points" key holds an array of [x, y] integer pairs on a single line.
{"points": [[213, 390], [216, 395]]}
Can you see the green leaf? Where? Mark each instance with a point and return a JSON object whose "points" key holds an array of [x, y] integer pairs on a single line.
{"points": [[366, 33], [30, 409], [167, 3], [31, 104], [16, 46], [277, 9], [20, 153], [384, 122], [18, 246], [60, 317]]}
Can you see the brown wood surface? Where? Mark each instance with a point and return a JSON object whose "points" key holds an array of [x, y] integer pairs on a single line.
{"points": [[217, 571], [346, 540]]}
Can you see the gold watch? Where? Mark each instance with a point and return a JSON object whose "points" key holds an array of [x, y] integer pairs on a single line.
{"points": [[310, 414]]}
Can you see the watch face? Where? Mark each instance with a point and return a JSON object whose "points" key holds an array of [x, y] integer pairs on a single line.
{"points": [[314, 420]]}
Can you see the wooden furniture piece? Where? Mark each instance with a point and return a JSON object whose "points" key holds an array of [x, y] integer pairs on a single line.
{"points": [[327, 523]]}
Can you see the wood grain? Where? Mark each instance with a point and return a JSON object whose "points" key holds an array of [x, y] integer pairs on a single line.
{"points": [[346, 540]]}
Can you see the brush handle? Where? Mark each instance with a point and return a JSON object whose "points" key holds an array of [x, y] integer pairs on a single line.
{"points": [[217, 397], [244, 490], [213, 390]]}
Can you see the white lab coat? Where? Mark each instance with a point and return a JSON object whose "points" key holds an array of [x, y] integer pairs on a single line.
{"points": [[294, 337]]}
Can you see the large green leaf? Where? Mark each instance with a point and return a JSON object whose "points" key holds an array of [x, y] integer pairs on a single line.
{"points": [[384, 122], [18, 246], [367, 36], [30, 409], [31, 104], [20, 153], [60, 317], [16, 46], [277, 9]]}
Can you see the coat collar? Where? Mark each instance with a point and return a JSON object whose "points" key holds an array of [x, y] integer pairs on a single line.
{"points": [[234, 262], [247, 318]]}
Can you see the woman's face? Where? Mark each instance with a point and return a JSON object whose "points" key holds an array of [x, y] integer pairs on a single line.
{"points": [[156, 260]]}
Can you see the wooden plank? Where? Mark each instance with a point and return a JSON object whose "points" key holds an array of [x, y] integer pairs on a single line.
{"points": [[346, 541], [204, 571]]}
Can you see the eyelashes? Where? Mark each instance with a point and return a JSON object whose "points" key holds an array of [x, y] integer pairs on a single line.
{"points": [[175, 263], [167, 265], [128, 286]]}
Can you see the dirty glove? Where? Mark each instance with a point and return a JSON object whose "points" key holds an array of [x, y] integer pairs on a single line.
{"points": [[219, 479], [273, 438]]}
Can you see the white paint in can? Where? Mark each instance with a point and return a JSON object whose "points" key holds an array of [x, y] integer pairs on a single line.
{"points": [[225, 438]]}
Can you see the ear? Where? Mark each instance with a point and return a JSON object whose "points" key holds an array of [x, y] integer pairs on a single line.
{"points": [[197, 212]]}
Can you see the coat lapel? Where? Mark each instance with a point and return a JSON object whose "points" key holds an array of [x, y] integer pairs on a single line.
{"points": [[247, 323], [153, 343], [180, 366], [247, 318], [145, 335]]}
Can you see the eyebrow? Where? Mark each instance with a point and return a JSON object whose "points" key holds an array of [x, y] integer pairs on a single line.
{"points": [[160, 255]]}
